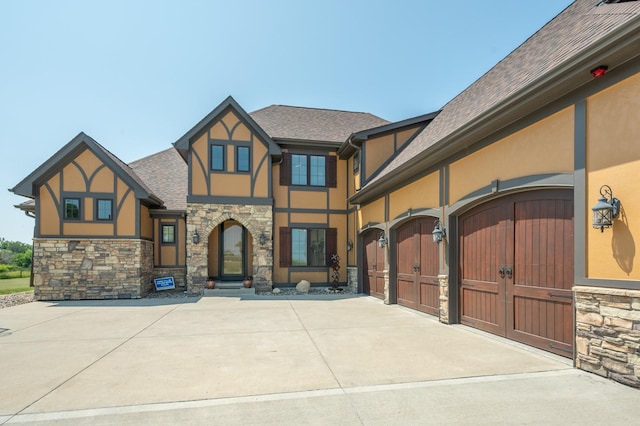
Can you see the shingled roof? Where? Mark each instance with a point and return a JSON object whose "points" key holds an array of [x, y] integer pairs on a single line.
{"points": [[536, 73], [283, 122], [166, 174]]}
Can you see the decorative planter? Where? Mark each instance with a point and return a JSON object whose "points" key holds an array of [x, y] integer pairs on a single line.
{"points": [[211, 283], [247, 283]]}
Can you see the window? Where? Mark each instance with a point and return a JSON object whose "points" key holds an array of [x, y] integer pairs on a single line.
{"points": [[356, 162], [308, 170], [217, 157], [72, 208], [242, 159], [168, 234], [318, 170], [299, 169], [307, 246], [104, 209]]}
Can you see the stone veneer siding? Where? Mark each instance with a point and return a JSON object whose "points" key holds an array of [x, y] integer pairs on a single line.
{"points": [[352, 279], [203, 217], [444, 299], [66, 269], [608, 333]]}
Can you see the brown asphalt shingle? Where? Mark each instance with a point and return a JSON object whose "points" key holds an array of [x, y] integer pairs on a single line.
{"points": [[313, 124], [166, 174]]}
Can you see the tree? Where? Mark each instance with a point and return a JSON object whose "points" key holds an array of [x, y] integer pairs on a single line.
{"points": [[22, 260]]}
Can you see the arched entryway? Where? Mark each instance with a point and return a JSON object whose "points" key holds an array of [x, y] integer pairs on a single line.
{"points": [[230, 255], [516, 268]]}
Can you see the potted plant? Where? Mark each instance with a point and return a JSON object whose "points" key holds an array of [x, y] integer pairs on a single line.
{"points": [[211, 283], [247, 282]]}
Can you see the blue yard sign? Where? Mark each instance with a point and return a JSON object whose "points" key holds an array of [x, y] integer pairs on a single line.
{"points": [[165, 283]]}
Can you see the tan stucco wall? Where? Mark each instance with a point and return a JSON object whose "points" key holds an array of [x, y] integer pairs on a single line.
{"points": [[544, 147], [88, 175], [377, 151], [613, 158], [423, 193], [371, 213]]}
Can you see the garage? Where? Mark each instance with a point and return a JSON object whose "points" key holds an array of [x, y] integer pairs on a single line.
{"points": [[417, 284], [373, 265], [516, 269]]}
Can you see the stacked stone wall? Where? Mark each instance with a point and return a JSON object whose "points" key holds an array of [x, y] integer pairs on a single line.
{"points": [[72, 269], [444, 299], [608, 333]]}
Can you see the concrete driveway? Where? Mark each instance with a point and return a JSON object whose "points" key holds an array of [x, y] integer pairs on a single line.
{"points": [[287, 360]]}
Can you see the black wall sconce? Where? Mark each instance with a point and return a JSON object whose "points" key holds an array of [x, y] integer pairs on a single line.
{"points": [[606, 209], [196, 237], [349, 245], [263, 239], [382, 241], [439, 232]]}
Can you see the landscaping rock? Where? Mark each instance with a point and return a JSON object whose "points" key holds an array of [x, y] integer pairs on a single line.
{"points": [[276, 291], [303, 286]]}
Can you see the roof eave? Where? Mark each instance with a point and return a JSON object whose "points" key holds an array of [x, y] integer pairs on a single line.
{"points": [[613, 49]]}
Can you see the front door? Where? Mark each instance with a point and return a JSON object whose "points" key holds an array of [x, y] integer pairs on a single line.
{"points": [[232, 253], [516, 267]]}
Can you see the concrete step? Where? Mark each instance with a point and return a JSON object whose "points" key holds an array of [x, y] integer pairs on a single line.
{"points": [[229, 289]]}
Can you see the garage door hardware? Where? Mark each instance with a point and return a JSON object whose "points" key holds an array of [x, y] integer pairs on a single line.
{"points": [[563, 296]]}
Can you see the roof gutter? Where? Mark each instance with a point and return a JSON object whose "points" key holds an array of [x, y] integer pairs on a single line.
{"points": [[538, 93]]}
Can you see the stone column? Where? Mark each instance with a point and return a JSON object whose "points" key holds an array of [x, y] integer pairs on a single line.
{"points": [[352, 278], [444, 299]]}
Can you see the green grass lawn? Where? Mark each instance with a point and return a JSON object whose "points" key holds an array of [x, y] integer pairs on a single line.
{"points": [[14, 285]]}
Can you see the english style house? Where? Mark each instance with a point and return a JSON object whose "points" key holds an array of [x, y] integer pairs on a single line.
{"points": [[514, 209]]}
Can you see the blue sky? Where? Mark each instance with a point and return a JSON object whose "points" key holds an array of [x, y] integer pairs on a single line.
{"points": [[136, 75]]}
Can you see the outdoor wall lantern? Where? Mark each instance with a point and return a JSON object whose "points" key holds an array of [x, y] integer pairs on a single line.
{"points": [[349, 245], [382, 241], [439, 232], [606, 209], [263, 239], [196, 237]]}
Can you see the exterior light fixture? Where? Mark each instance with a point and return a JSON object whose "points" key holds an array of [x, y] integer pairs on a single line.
{"points": [[599, 71], [349, 245], [606, 209], [263, 239], [382, 241], [439, 232], [196, 237]]}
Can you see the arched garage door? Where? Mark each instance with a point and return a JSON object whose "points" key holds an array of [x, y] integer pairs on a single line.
{"points": [[417, 266], [373, 265], [516, 269]]}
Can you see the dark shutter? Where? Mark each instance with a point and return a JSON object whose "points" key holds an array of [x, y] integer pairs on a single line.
{"points": [[285, 169], [285, 247], [332, 243], [332, 171]]}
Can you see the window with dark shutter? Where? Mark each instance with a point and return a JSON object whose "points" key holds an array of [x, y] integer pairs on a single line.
{"points": [[332, 171], [332, 243], [285, 247], [285, 169]]}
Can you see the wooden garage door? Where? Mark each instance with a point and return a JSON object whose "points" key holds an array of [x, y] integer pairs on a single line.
{"points": [[516, 269], [373, 265], [417, 266]]}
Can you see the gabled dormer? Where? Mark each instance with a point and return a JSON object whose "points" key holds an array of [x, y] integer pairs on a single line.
{"points": [[85, 191], [229, 157]]}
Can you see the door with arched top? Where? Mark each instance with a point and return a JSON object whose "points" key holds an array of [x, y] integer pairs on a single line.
{"points": [[373, 265], [417, 285], [516, 268]]}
